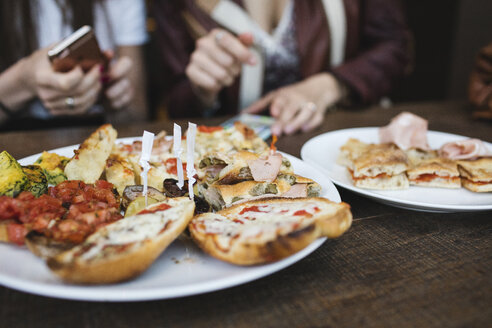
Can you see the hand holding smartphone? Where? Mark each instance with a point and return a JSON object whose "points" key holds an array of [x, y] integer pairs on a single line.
{"points": [[80, 48]]}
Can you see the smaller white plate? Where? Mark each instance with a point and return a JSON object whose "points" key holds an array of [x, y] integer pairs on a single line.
{"points": [[322, 151], [182, 270]]}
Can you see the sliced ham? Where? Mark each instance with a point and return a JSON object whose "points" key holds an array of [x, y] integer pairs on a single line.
{"points": [[266, 169], [464, 149], [297, 190], [406, 130], [161, 144]]}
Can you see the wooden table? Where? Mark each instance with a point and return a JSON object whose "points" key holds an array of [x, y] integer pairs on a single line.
{"points": [[394, 267]]}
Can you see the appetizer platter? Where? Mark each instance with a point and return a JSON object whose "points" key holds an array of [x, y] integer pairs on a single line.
{"points": [[397, 173], [87, 231]]}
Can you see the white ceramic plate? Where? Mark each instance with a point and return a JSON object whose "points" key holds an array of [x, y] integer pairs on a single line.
{"points": [[322, 151], [182, 270]]}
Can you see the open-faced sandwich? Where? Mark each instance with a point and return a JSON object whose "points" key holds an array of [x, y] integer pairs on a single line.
{"points": [[267, 230], [124, 249]]}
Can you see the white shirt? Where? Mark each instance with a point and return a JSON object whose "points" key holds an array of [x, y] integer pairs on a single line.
{"points": [[116, 23]]}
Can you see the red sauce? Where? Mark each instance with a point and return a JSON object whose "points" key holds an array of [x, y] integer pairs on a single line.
{"points": [[303, 213], [172, 166], [481, 183], [250, 209], [209, 129], [159, 208], [238, 221]]}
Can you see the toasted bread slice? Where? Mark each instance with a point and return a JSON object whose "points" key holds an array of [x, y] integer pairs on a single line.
{"points": [[90, 159], [119, 172], [435, 172], [476, 175], [124, 249], [268, 230]]}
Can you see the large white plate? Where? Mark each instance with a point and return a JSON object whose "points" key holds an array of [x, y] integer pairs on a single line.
{"points": [[181, 270], [322, 151]]}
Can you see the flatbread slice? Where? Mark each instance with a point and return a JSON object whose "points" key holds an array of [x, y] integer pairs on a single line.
{"points": [[380, 166], [436, 172]]}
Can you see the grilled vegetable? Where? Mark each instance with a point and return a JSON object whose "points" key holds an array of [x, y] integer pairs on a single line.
{"points": [[37, 183], [53, 166], [12, 178], [138, 204], [132, 192]]}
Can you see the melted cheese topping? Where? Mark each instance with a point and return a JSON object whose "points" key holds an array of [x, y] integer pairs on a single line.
{"points": [[130, 230], [264, 220]]}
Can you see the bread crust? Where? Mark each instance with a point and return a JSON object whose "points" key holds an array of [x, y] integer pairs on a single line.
{"points": [[333, 221], [116, 265], [45, 247]]}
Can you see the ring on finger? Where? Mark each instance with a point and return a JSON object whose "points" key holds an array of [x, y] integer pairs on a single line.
{"points": [[310, 106], [218, 36], [70, 102]]}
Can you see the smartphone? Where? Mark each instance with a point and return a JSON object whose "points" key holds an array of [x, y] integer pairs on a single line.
{"points": [[80, 48], [261, 124]]}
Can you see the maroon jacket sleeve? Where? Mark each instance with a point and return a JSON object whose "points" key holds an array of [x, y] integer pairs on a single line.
{"points": [[383, 55], [175, 47]]}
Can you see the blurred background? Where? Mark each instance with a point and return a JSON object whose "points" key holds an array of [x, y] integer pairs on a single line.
{"points": [[447, 37]]}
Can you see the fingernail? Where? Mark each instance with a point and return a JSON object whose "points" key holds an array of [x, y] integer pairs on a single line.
{"points": [[101, 68], [288, 130]]}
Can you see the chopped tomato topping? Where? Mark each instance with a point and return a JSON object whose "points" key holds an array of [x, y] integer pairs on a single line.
{"points": [[209, 129], [158, 208], [89, 207], [16, 233], [172, 166]]}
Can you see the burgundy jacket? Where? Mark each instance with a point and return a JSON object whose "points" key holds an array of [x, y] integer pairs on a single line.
{"points": [[376, 52]]}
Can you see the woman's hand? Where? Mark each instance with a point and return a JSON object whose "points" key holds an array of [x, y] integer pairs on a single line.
{"points": [[71, 93], [121, 91], [216, 62], [300, 106]]}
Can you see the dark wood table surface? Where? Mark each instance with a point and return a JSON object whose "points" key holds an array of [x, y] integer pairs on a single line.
{"points": [[394, 267]]}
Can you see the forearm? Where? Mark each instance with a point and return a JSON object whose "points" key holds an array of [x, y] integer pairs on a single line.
{"points": [[14, 90]]}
